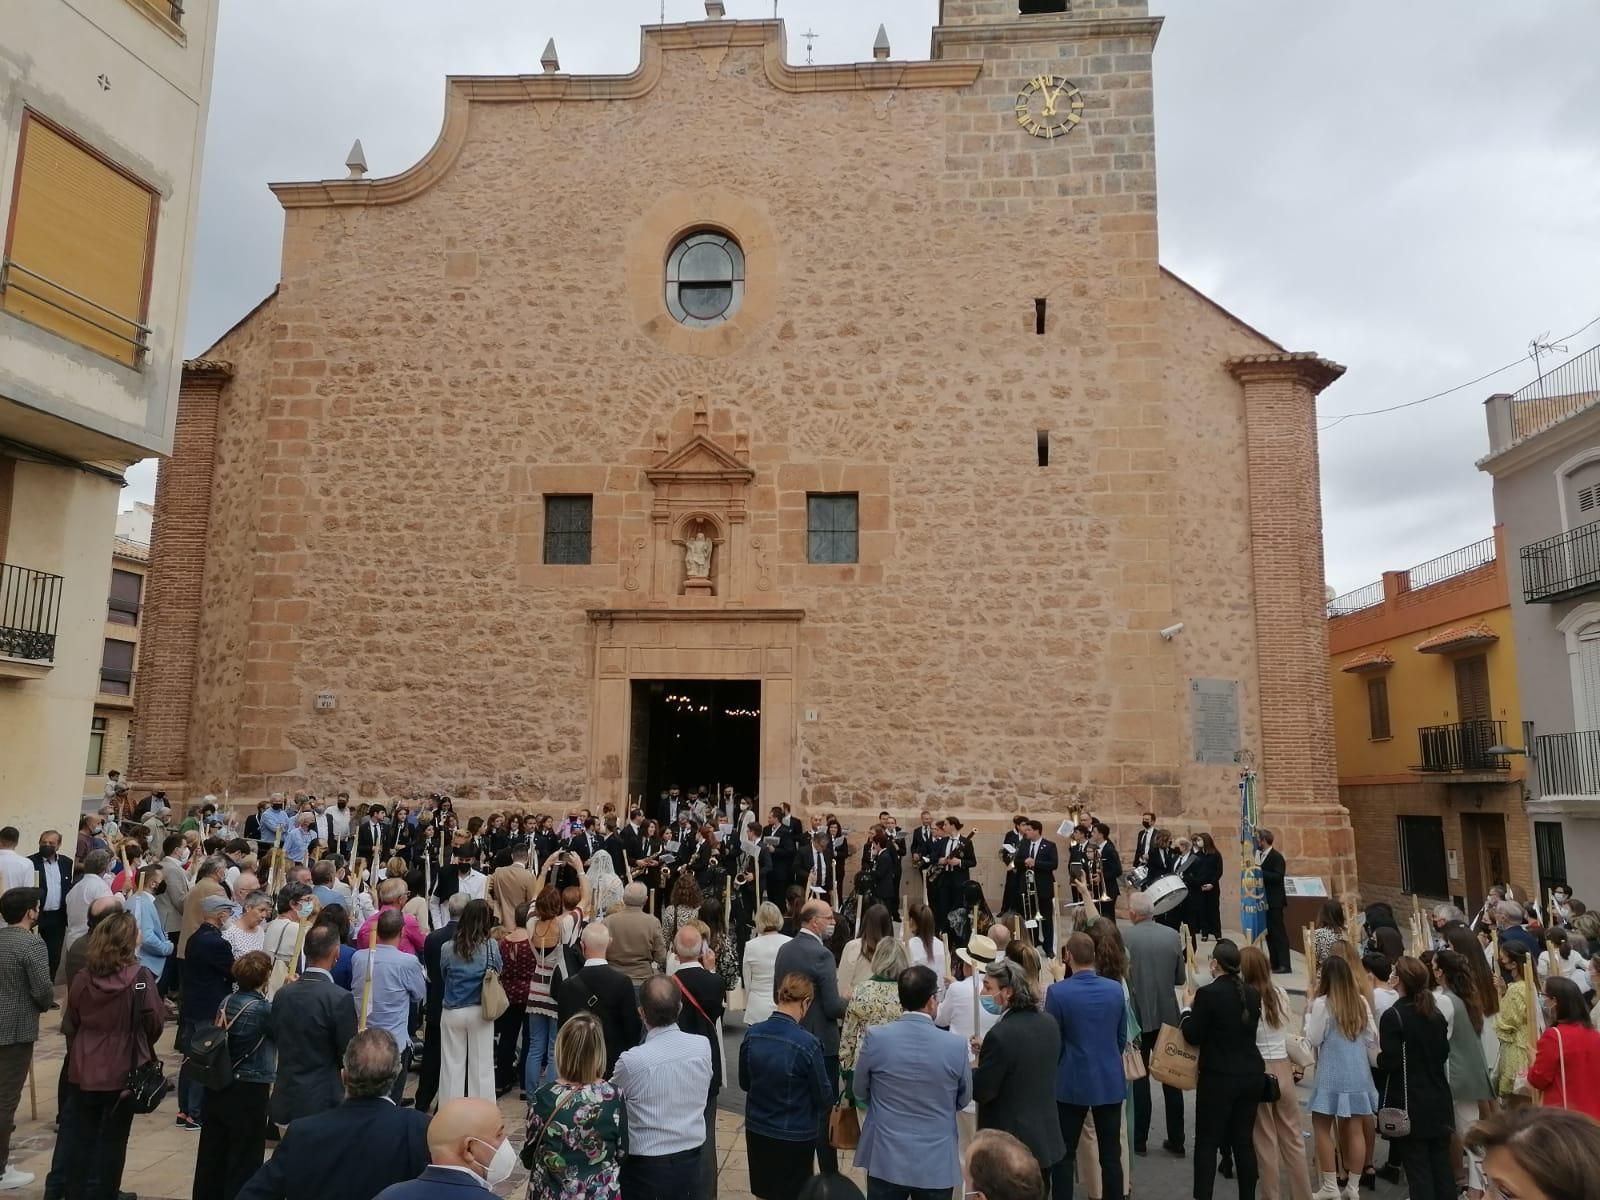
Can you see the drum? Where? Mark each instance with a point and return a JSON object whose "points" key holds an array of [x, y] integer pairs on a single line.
{"points": [[1167, 893]]}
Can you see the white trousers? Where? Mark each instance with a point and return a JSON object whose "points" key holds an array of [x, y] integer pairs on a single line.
{"points": [[466, 1054]]}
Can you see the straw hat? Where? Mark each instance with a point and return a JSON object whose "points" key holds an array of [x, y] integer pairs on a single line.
{"points": [[979, 952]]}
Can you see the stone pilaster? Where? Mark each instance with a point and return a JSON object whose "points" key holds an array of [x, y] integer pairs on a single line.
{"points": [[1298, 773], [175, 584]]}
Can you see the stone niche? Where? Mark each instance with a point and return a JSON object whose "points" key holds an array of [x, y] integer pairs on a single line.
{"points": [[699, 530]]}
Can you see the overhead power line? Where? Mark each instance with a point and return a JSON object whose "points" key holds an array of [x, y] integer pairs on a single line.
{"points": [[1517, 362]]}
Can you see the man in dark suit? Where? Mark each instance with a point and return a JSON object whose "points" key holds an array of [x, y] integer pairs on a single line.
{"points": [[1015, 1080], [433, 1006], [1273, 870], [820, 866], [1039, 856], [702, 1008], [956, 860], [1146, 838], [355, 1150], [1110, 863], [312, 1022], [1011, 893], [471, 1155], [603, 992], [55, 881], [781, 872], [807, 954], [1091, 1013]]}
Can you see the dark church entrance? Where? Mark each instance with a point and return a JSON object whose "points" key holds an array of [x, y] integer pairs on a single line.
{"points": [[693, 732]]}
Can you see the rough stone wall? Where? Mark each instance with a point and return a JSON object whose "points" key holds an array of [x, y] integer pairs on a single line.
{"points": [[444, 362]]}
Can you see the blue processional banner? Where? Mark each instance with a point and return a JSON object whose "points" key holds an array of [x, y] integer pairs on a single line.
{"points": [[1252, 901]]}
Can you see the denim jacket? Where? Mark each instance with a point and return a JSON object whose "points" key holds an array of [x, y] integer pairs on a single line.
{"points": [[787, 1094], [463, 980], [250, 1044]]}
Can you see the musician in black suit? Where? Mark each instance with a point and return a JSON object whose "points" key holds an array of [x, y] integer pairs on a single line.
{"points": [[1039, 856], [781, 872], [1110, 864], [878, 862], [1220, 1019], [956, 859], [355, 1149], [603, 992], [372, 834], [1145, 841], [1014, 1082], [923, 839], [53, 872], [819, 865], [1273, 870], [1011, 894]]}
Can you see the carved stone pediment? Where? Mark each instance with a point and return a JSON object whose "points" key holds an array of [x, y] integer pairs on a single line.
{"points": [[700, 460], [699, 507]]}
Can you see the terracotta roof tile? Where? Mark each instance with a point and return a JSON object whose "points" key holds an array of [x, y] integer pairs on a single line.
{"points": [[1370, 660], [1458, 637]]}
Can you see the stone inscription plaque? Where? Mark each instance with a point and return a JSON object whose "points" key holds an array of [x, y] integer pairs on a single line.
{"points": [[1214, 713]]}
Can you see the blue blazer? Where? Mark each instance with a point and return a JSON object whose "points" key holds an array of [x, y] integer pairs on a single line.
{"points": [[913, 1078], [435, 1183], [1091, 1013], [354, 1150]]}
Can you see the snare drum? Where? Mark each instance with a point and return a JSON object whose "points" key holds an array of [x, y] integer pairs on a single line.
{"points": [[1167, 893]]}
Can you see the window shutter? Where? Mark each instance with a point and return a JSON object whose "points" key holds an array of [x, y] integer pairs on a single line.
{"points": [[1472, 688], [83, 226], [1378, 707]]}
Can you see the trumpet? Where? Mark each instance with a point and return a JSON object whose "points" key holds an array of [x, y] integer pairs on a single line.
{"points": [[1030, 906], [1096, 873]]}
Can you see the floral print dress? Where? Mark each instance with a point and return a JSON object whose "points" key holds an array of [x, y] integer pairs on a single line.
{"points": [[579, 1156]]}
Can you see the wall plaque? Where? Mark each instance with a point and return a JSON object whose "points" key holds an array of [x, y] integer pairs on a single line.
{"points": [[1214, 713]]}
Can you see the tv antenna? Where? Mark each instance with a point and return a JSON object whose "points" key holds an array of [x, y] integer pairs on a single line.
{"points": [[810, 37], [1538, 347]]}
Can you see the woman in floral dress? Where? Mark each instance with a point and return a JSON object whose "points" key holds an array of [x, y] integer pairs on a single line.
{"points": [[577, 1126], [876, 1002]]}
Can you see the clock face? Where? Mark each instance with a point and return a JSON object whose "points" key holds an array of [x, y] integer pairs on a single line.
{"points": [[1049, 106]]}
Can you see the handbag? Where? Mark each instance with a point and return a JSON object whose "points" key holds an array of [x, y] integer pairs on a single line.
{"points": [[737, 1000], [1300, 1052], [207, 1055], [1175, 1062], [494, 1000], [147, 1084], [1133, 1063], [844, 1126], [530, 1150], [1271, 1089], [1396, 1122]]}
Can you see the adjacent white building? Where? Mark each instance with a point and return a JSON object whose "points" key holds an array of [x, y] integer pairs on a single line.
{"points": [[102, 121]]}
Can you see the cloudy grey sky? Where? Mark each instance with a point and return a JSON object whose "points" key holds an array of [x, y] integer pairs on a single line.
{"points": [[1410, 188]]}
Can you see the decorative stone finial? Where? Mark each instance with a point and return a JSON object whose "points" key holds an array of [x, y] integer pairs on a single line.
{"points": [[356, 160], [880, 44], [715, 10], [548, 59]]}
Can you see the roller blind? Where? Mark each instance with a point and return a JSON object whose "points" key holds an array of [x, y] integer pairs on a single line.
{"points": [[79, 226]]}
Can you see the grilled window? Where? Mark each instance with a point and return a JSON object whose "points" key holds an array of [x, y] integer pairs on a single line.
{"points": [[832, 527], [568, 521], [1423, 869], [705, 279], [123, 606], [77, 259]]}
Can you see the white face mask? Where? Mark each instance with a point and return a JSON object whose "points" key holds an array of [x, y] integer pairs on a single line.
{"points": [[183, 854], [500, 1166]]}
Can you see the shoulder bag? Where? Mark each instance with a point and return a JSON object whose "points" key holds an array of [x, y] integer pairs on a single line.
{"points": [[530, 1151], [1396, 1122], [208, 1058], [147, 1084], [844, 1125], [493, 1000]]}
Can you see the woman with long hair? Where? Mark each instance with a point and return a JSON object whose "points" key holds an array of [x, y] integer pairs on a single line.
{"points": [[1457, 993], [605, 885], [923, 946], [466, 1043], [1511, 1022], [1383, 932], [1341, 1030], [1279, 1146], [576, 1126], [111, 1021], [1566, 1068], [1204, 878], [855, 964], [760, 959], [233, 1138], [549, 970], [1330, 930], [876, 1002], [1413, 1054], [685, 906]]}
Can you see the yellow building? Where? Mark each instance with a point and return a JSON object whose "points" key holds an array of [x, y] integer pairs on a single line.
{"points": [[111, 727], [1424, 682]]}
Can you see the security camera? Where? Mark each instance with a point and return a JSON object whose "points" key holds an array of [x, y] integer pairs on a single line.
{"points": [[1171, 631]]}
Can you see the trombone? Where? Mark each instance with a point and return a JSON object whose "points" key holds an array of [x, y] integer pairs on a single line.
{"points": [[1030, 906], [1096, 873]]}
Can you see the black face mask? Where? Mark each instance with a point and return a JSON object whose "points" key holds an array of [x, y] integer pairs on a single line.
{"points": [[48, 852], [464, 868]]}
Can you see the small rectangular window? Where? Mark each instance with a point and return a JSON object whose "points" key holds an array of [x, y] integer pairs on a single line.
{"points": [[97, 746], [1423, 869], [116, 668], [832, 527], [1041, 441], [1038, 315], [1378, 708], [78, 253], [123, 606], [568, 522]]}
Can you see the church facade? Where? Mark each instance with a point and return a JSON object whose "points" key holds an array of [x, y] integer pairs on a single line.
{"points": [[828, 431]]}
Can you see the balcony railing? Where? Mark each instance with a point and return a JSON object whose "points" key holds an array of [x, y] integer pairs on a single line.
{"points": [[30, 604], [117, 326], [1569, 763], [1556, 395], [1463, 746], [1565, 565]]}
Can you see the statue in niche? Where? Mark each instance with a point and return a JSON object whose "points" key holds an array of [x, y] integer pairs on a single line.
{"points": [[697, 555]]}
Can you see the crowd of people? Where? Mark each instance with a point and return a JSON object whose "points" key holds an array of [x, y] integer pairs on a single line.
{"points": [[310, 975]]}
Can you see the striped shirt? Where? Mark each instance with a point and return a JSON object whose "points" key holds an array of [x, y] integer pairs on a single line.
{"points": [[664, 1083]]}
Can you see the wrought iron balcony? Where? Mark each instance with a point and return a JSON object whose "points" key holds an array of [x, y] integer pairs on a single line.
{"points": [[30, 605], [1562, 566], [1569, 763], [1461, 747]]}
